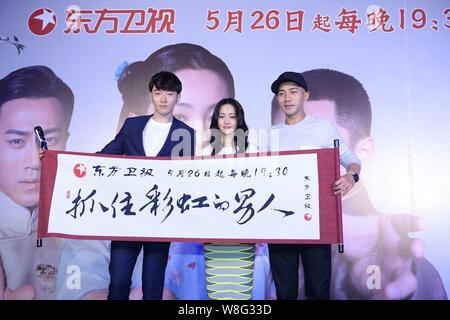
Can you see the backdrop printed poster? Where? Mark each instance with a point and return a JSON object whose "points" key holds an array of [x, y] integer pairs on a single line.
{"points": [[377, 69]]}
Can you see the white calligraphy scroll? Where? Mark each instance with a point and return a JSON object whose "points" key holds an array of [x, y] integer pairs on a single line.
{"points": [[256, 198]]}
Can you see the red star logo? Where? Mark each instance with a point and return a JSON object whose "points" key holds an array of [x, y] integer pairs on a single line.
{"points": [[42, 21], [307, 217], [79, 170]]}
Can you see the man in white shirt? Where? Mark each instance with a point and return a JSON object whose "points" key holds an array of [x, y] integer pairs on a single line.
{"points": [[162, 135], [297, 131]]}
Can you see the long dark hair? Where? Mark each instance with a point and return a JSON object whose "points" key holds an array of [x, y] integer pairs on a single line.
{"points": [[134, 80], [240, 132]]}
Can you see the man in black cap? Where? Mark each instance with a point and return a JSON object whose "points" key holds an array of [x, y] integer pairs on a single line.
{"points": [[372, 238], [300, 131]]}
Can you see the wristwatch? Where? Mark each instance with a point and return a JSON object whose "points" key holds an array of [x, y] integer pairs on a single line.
{"points": [[355, 176]]}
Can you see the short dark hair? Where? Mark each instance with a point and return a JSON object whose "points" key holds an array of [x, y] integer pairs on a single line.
{"points": [[240, 125], [165, 80], [353, 110], [36, 82]]}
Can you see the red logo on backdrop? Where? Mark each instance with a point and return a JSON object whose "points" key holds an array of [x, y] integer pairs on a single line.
{"points": [[307, 217], [42, 21], [79, 170]]}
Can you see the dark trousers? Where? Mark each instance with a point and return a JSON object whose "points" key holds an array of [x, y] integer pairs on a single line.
{"points": [[316, 260], [123, 258]]}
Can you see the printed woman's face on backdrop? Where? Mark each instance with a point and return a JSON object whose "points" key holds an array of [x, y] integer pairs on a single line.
{"points": [[202, 89]]}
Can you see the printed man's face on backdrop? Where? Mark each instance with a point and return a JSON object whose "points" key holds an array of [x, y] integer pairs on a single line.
{"points": [[19, 162], [326, 109]]}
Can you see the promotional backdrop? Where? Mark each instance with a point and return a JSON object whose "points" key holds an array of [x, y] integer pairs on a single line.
{"points": [[396, 220]]}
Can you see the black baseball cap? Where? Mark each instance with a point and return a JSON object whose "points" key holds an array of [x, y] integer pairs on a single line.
{"points": [[289, 76]]}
